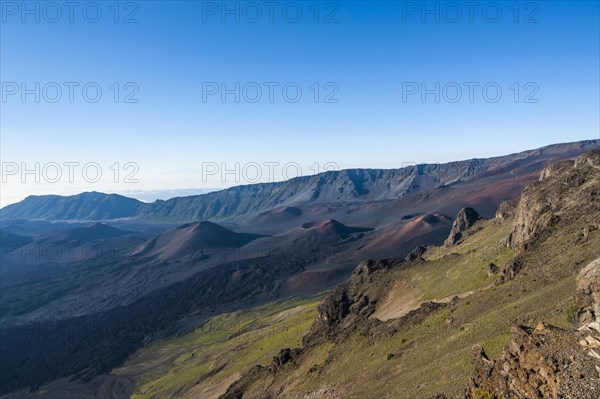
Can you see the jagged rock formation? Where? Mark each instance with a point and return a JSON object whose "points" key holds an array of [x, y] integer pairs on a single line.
{"points": [[416, 253], [237, 389], [466, 219], [541, 362], [507, 209], [349, 304], [555, 168], [588, 293], [568, 188], [285, 356]]}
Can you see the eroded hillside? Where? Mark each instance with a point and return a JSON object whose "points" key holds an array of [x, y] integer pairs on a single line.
{"points": [[406, 328]]}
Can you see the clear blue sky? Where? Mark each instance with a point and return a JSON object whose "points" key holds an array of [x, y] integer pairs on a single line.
{"points": [[370, 53]]}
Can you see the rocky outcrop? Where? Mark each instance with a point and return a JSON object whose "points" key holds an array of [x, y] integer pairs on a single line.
{"points": [[416, 253], [541, 362], [546, 361], [237, 390], [591, 159], [349, 304], [466, 219], [285, 356], [367, 267], [588, 293], [507, 209], [555, 168], [509, 271], [492, 269], [568, 194]]}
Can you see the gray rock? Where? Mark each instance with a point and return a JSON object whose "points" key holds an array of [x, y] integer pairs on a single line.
{"points": [[466, 218]]}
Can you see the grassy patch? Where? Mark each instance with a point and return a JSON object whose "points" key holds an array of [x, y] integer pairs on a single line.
{"points": [[225, 346], [433, 356], [418, 361]]}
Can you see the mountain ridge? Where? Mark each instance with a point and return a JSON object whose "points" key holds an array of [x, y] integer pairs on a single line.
{"points": [[348, 185]]}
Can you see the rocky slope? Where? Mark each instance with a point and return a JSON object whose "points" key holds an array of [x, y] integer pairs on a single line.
{"points": [[546, 361], [552, 276], [540, 362], [567, 194]]}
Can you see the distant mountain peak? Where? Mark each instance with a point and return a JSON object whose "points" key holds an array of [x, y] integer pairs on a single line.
{"points": [[345, 186]]}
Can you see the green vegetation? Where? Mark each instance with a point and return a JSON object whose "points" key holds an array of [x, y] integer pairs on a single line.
{"points": [[231, 344], [460, 270], [434, 355], [199, 363], [572, 313], [482, 393], [429, 356]]}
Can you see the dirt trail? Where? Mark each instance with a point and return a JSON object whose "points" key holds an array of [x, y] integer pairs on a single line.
{"points": [[394, 308]]}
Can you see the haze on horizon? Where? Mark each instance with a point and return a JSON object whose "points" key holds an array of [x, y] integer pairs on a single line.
{"points": [[175, 104], [215, 173]]}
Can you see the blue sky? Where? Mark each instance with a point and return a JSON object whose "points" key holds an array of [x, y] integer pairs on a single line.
{"points": [[364, 57]]}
